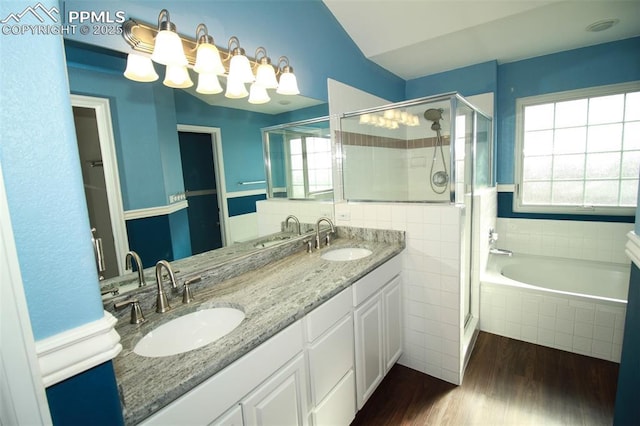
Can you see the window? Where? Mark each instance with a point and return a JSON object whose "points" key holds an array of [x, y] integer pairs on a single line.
{"points": [[579, 151], [310, 159]]}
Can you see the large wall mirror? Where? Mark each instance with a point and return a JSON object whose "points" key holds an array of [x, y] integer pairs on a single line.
{"points": [[298, 160], [151, 215]]}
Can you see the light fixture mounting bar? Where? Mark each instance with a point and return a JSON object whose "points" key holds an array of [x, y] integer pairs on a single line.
{"points": [[141, 37]]}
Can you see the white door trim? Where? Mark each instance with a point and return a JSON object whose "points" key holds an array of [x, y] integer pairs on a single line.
{"points": [[218, 164], [24, 400], [111, 174]]}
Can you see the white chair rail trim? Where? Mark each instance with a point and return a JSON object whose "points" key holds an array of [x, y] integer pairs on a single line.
{"points": [[155, 211], [74, 351], [632, 248]]}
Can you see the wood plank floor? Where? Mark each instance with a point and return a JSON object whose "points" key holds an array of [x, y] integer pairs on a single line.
{"points": [[507, 382]]}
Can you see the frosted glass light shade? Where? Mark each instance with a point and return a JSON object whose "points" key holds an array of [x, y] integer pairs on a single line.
{"points": [[208, 60], [167, 49], [258, 94], [140, 68], [240, 69], [235, 89], [288, 84], [208, 84], [266, 76], [177, 76]]}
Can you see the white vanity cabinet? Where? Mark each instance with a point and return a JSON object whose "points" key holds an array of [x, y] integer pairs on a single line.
{"points": [[318, 371], [216, 400], [330, 348], [377, 317], [281, 400]]}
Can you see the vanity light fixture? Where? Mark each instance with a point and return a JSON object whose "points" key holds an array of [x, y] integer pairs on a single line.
{"points": [[179, 53], [140, 68], [258, 94], [208, 84], [288, 84], [177, 76], [167, 48], [390, 119], [207, 55], [235, 89], [265, 72], [239, 66]]}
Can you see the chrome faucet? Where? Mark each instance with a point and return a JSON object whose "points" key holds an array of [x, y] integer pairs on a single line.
{"points": [[162, 304], [286, 222], [332, 231], [132, 255]]}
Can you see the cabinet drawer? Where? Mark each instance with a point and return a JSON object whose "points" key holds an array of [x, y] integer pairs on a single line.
{"points": [[375, 280], [324, 316], [330, 358], [339, 407]]}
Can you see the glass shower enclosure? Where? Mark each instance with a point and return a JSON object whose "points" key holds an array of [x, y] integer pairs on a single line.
{"points": [[431, 150]]}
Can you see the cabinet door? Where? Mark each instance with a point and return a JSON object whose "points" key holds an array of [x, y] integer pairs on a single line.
{"points": [[392, 295], [369, 348], [281, 400], [232, 417]]}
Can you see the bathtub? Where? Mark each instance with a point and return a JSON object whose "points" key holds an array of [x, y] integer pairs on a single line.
{"points": [[573, 305]]}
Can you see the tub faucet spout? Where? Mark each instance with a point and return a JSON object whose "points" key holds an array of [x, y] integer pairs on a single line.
{"points": [[162, 304], [501, 252]]}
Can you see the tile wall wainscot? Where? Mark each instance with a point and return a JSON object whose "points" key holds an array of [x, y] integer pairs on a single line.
{"points": [[431, 283], [271, 213], [434, 336], [570, 323], [602, 241]]}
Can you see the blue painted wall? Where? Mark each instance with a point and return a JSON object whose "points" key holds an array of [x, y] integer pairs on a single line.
{"points": [[608, 63], [48, 212], [304, 30], [468, 81], [240, 134]]}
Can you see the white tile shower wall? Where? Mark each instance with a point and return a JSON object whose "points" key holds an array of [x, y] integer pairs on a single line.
{"points": [[271, 213], [602, 241], [419, 162], [570, 324], [431, 279], [374, 173]]}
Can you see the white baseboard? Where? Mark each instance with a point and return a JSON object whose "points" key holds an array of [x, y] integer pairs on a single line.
{"points": [[74, 351]]}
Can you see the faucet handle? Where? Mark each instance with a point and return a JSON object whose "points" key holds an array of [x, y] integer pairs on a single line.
{"points": [[187, 295], [136, 312]]}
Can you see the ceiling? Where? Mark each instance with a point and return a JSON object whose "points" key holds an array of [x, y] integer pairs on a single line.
{"points": [[415, 38]]}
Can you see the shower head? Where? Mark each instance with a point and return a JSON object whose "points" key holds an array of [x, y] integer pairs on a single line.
{"points": [[433, 114]]}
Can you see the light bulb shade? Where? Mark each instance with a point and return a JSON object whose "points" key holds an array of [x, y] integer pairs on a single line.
{"points": [[240, 69], [140, 68], [168, 50], [266, 76], [208, 60], [235, 89], [177, 76], [258, 94], [288, 84], [208, 84]]}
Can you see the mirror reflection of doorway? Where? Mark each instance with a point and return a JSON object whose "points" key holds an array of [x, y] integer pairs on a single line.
{"points": [[96, 148], [201, 190], [95, 188]]}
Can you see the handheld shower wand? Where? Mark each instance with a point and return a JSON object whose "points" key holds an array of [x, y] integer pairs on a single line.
{"points": [[439, 179]]}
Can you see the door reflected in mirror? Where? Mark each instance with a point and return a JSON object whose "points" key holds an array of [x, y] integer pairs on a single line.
{"points": [[298, 160]]}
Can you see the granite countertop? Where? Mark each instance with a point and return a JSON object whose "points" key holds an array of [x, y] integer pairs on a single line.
{"points": [[273, 296]]}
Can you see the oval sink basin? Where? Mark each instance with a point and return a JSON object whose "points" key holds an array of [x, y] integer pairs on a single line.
{"points": [[189, 332], [345, 254]]}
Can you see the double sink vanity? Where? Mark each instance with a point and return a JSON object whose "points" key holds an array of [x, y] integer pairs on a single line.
{"points": [[276, 334]]}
